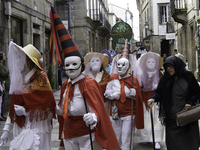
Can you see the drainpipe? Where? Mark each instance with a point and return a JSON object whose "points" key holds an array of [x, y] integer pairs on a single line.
{"points": [[69, 18], [151, 27], [198, 51]]}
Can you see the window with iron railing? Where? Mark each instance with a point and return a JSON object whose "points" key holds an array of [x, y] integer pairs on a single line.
{"points": [[163, 13], [179, 4]]}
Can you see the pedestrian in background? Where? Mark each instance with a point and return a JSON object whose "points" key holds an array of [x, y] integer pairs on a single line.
{"points": [[164, 57], [186, 62], [5, 83], [175, 52], [177, 90]]}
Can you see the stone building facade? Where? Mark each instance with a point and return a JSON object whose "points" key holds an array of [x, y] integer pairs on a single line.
{"points": [[90, 28], [26, 22], [171, 24], [156, 26], [185, 13]]}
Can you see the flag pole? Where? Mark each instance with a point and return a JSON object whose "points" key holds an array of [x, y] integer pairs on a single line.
{"points": [[131, 116]]}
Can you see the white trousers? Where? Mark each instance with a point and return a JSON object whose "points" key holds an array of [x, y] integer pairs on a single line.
{"points": [[81, 143], [122, 128]]}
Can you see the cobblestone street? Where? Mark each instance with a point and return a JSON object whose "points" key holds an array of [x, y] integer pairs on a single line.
{"points": [[138, 144]]}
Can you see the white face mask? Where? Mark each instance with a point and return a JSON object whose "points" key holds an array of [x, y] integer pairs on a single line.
{"points": [[122, 66], [95, 63], [151, 64], [73, 66]]}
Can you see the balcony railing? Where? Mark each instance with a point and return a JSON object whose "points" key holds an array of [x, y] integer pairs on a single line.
{"points": [[179, 4], [179, 11]]}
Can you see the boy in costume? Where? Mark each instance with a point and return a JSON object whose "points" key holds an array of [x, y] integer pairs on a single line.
{"points": [[120, 91]]}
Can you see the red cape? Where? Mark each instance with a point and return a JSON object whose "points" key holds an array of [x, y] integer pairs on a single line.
{"points": [[104, 134], [139, 103], [38, 99]]}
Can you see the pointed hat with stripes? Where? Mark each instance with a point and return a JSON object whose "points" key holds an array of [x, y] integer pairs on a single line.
{"points": [[125, 52], [68, 46]]}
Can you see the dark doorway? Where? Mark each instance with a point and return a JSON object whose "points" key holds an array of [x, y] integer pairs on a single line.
{"points": [[165, 48]]}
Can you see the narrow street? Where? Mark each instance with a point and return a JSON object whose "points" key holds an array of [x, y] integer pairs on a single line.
{"points": [[138, 144]]}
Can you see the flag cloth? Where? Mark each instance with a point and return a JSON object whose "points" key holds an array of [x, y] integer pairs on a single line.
{"points": [[52, 58], [55, 38], [68, 46]]}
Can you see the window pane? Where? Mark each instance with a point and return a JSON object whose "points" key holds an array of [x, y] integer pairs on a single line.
{"points": [[16, 31]]}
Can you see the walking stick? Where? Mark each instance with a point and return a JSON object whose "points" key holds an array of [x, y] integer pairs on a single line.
{"points": [[88, 125], [131, 115], [152, 128]]}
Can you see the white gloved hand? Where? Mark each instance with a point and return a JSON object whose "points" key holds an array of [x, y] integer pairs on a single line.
{"points": [[132, 92], [20, 110], [4, 137], [90, 118], [108, 93], [111, 94], [58, 110]]}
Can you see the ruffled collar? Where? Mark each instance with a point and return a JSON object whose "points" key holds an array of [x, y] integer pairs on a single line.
{"points": [[98, 77]]}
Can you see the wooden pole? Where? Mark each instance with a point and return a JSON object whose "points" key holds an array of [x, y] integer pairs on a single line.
{"points": [[131, 116], [152, 128], [89, 125]]}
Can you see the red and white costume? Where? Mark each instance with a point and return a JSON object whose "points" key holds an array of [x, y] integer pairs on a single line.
{"points": [[75, 129]]}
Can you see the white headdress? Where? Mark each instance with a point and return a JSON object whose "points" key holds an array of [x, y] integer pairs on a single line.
{"points": [[16, 65], [88, 57], [148, 83]]}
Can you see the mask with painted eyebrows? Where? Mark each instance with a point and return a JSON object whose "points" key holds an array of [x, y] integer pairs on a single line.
{"points": [[122, 66], [73, 66]]}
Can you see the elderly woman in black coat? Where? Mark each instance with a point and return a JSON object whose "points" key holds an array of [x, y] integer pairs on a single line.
{"points": [[177, 90]]}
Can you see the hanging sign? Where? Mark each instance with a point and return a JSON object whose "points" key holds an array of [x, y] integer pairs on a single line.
{"points": [[120, 32]]}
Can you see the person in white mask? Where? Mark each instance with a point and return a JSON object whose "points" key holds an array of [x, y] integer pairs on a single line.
{"points": [[120, 92], [95, 68], [148, 75], [32, 104], [83, 119]]}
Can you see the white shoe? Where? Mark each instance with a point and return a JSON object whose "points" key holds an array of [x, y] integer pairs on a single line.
{"points": [[157, 145]]}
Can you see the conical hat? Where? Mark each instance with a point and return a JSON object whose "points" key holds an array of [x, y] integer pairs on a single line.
{"points": [[125, 52], [68, 46]]}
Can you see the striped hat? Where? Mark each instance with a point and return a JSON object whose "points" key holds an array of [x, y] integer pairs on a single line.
{"points": [[125, 52], [68, 46]]}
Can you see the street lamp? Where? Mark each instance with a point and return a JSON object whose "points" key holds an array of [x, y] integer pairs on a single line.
{"points": [[146, 27]]}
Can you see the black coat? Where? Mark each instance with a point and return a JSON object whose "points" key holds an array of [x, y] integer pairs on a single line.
{"points": [[163, 93]]}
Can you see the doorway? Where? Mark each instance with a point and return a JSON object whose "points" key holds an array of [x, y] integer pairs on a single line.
{"points": [[165, 48]]}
